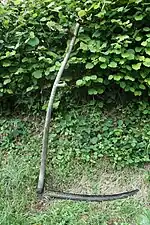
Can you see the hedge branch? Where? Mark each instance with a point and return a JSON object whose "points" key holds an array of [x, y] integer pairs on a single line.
{"points": [[56, 84]]}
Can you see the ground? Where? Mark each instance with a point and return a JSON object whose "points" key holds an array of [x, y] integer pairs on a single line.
{"points": [[20, 160]]}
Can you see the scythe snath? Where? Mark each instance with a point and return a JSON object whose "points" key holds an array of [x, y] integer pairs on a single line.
{"points": [[41, 181]]}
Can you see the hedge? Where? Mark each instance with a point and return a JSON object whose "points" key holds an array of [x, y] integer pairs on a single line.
{"points": [[112, 49]]}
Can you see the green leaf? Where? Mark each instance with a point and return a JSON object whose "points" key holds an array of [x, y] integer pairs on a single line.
{"points": [[84, 46], [141, 86], [56, 104], [93, 77], [79, 83], [7, 81], [147, 50], [143, 220], [122, 61], [128, 67], [30, 89], [102, 59], [43, 19], [138, 38], [92, 91], [37, 74], [144, 43], [9, 91], [68, 1], [120, 123], [34, 15], [17, 2], [147, 9], [94, 140], [81, 13], [20, 70], [147, 62], [140, 58], [122, 37], [117, 51], [89, 66], [87, 78], [103, 66], [129, 54], [122, 84], [100, 90], [33, 42], [100, 80], [129, 78], [148, 40], [97, 5], [44, 107], [110, 77], [143, 75], [51, 24], [117, 77], [6, 63], [131, 57], [137, 93], [32, 35], [146, 29], [147, 81], [136, 66], [113, 65], [125, 55], [132, 89], [100, 14], [138, 49], [139, 17], [120, 9]]}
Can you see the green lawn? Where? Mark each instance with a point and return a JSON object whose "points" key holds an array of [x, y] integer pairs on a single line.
{"points": [[19, 168]]}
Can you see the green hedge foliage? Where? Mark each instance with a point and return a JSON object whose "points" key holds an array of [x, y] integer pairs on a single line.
{"points": [[113, 46]]}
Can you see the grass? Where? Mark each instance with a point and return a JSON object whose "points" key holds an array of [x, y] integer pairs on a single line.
{"points": [[19, 168]]}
